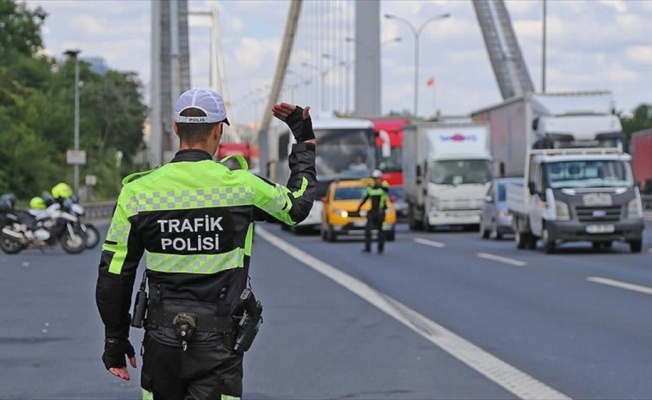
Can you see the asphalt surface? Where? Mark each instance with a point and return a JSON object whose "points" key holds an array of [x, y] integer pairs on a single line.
{"points": [[577, 321]]}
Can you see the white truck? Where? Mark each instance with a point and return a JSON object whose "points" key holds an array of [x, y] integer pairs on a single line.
{"points": [[446, 170], [579, 184]]}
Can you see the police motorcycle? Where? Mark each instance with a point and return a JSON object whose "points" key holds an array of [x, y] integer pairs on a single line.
{"points": [[34, 228], [63, 194], [92, 234]]}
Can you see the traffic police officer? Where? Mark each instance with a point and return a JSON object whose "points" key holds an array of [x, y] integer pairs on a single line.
{"points": [[192, 219], [377, 193]]}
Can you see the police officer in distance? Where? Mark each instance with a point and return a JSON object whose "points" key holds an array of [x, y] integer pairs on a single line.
{"points": [[192, 220], [377, 194]]}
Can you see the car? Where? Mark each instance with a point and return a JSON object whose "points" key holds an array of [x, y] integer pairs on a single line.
{"points": [[397, 197], [340, 211], [495, 218]]}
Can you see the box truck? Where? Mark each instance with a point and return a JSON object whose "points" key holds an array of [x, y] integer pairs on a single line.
{"points": [[578, 181], [446, 170]]}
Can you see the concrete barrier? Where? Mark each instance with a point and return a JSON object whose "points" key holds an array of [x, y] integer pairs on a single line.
{"points": [[99, 210]]}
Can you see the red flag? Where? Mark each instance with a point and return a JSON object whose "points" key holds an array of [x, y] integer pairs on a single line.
{"points": [[431, 81]]}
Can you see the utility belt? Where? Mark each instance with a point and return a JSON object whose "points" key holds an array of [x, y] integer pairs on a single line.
{"points": [[198, 322], [238, 329]]}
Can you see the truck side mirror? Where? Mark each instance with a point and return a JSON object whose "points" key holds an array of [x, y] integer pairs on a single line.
{"points": [[418, 171], [501, 167], [385, 148], [535, 124], [531, 187]]}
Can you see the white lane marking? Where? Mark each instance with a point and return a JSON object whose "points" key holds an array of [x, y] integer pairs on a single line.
{"points": [[649, 250], [620, 284], [513, 380], [429, 243], [505, 260]]}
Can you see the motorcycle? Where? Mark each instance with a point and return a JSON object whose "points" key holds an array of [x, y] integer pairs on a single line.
{"points": [[91, 232], [23, 229]]}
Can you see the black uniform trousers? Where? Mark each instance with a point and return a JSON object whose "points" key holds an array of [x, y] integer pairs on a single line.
{"points": [[375, 220], [199, 373]]}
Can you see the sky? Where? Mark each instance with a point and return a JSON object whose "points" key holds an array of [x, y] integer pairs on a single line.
{"points": [[591, 45]]}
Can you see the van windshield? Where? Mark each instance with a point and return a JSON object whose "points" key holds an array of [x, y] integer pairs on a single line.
{"points": [[588, 173], [458, 172]]}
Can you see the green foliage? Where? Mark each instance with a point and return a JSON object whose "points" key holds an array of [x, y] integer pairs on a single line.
{"points": [[37, 97], [20, 29], [640, 119]]}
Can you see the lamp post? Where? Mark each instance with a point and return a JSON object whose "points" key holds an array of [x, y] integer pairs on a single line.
{"points": [[417, 34], [74, 54], [322, 76], [543, 50]]}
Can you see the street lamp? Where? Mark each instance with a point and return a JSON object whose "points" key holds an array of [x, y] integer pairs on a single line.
{"points": [[322, 73], [74, 54], [417, 33]]}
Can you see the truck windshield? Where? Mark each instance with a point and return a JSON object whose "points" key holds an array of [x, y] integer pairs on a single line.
{"points": [[458, 172], [588, 173]]}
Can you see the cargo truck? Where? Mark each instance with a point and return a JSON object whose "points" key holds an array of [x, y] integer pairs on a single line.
{"points": [[446, 170], [578, 180], [641, 150]]}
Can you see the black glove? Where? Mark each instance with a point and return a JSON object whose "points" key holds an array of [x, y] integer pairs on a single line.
{"points": [[301, 128], [115, 351]]}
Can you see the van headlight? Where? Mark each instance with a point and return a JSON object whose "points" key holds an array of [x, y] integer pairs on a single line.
{"points": [[341, 213], [634, 209], [561, 211]]}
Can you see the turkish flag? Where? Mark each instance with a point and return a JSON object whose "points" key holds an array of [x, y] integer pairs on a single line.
{"points": [[431, 81]]}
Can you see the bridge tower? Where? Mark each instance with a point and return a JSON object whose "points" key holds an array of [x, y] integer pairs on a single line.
{"points": [[170, 74]]}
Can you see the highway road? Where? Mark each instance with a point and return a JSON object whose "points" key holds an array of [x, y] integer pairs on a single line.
{"points": [[439, 315]]}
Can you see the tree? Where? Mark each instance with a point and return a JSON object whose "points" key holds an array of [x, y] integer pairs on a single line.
{"points": [[37, 112], [20, 30], [640, 119]]}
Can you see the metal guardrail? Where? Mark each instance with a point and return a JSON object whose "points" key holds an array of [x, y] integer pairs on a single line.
{"points": [[99, 210]]}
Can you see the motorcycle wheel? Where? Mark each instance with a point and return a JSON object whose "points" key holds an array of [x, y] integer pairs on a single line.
{"points": [[73, 244], [10, 246], [92, 236]]}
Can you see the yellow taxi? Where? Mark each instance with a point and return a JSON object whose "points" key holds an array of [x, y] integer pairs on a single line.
{"points": [[340, 212]]}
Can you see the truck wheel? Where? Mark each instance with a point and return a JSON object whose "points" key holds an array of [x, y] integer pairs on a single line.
{"points": [[413, 224], [548, 242], [636, 246], [521, 239], [426, 224], [332, 236], [483, 231], [532, 242]]}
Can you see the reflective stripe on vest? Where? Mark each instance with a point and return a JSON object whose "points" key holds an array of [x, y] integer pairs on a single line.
{"points": [[195, 263]]}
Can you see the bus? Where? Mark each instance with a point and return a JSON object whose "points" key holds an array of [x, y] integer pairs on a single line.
{"points": [[226, 149], [389, 148], [345, 150]]}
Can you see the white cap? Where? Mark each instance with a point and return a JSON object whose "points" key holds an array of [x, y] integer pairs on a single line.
{"points": [[377, 174], [204, 99]]}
